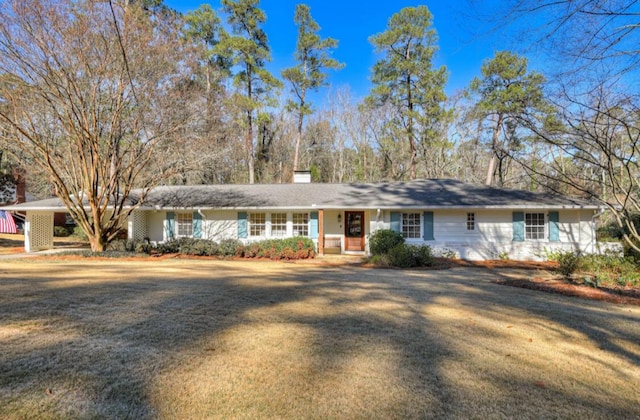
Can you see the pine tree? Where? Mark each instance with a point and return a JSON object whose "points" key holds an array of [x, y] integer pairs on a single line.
{"points": [[312, 54], [405, 78]]}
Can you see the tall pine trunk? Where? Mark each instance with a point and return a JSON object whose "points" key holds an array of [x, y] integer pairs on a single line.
{"points": [[494, 146]]}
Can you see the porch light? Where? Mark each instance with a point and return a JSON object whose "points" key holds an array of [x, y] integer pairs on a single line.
{"points": [[339, 217]]}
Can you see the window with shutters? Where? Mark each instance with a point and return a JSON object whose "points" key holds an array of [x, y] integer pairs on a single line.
{"points": [[184, 225], [257, 224], [411, 225], [534, 226]]}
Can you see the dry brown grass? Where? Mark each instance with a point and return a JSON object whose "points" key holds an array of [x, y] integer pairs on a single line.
{"points": [[14, 243], [233, 339]]}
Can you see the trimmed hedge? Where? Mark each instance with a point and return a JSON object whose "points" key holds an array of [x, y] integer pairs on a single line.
{"points": [[276, 249], [281, 249]]}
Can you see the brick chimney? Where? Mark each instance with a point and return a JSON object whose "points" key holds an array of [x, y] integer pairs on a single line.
{"points": [[21, 186]]}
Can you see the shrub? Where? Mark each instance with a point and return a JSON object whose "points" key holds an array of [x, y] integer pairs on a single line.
{"points": [[230, 248], [423, 255], [78, 232], [130, 246], [142, 247], [381, 261], [568, 262], [406, 256], [61, 231], [198, 247], [611, 269], [281, 249], [383, 241], [608, 269], [171, 246], [117, 245]]}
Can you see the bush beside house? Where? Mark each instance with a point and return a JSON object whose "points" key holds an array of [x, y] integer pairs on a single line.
{"points": [[389, 249], [275, 249]]}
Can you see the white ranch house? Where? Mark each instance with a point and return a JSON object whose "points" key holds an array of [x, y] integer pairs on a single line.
{"points": [[475, 222]]}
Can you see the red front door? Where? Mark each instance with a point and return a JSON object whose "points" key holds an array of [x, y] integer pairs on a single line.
{"points": [[354, 231]]}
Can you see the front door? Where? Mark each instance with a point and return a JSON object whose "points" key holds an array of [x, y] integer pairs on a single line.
{"points": [[354, 231]]}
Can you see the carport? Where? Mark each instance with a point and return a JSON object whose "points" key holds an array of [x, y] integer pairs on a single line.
{"points": [[38, 224]]}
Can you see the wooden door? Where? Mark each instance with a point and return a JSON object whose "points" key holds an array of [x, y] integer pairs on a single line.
{"points": [[354, 231]]}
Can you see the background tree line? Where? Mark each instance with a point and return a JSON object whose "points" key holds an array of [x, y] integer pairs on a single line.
{"points": [[97, 98]]}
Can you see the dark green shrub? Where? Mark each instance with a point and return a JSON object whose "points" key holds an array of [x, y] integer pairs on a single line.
{"points": [[568, 262], [137, 246], [281, 249], [172, 246], [142, 247], [199, 247], [401, 256], [423, 255], [230, 247], [383, 241], [407, 256], [78, 232], [62, 231], [117, 245]]}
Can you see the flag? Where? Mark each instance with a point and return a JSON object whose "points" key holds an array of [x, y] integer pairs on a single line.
{"points": [[7, 225]]}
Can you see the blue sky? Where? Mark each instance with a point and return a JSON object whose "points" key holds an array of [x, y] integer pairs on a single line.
{"points": [[352, 22]]}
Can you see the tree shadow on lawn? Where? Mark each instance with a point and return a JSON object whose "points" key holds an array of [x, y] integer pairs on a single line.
{"points": [[375, 343], [594, 319]]}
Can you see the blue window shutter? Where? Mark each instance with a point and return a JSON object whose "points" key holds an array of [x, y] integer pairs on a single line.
{"points": [[243, 231], [197, 225], [170, 225], [396, 222], [313, 225], [518, 226], [554, 226], [428, 225]]}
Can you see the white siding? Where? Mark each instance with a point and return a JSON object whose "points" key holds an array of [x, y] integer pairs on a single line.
{"points": [[219, 224], [493, 236], [155, 225], [587, 232]]}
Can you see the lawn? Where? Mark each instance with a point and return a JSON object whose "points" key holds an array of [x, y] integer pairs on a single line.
{"points": [[178, 338], [14, 243]]}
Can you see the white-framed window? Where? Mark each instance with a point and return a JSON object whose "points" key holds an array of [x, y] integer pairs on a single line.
{"points": [[300, 224], [534, 226], [411, 225], [257, 224], [278, 224], [184, 225], [471, 222]]}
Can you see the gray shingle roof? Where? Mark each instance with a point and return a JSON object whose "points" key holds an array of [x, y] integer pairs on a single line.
{"points": [[440, 193]]}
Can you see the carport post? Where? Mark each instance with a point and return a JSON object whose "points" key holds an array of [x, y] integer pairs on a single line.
{"points": [[38, 231], [321, 232]]}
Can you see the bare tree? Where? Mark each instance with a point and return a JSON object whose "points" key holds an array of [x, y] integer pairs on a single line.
{"points": [[90, 90], [598, 35], [594, 149]]}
